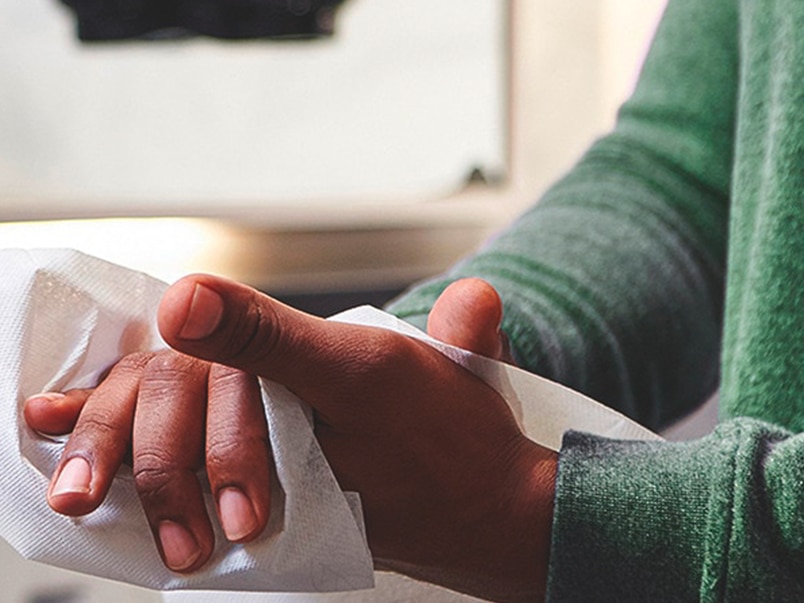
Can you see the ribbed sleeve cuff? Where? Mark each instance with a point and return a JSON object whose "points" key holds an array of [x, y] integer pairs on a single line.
{"points": [[682, 521], [631, 518]]}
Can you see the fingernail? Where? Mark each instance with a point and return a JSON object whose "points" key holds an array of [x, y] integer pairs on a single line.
{"points": [[46, 396], [74, 478], [206, 310], [237, 514], [179, 547]]}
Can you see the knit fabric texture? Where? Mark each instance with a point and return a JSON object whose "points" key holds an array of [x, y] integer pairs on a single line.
{"points": [[614, 285]]}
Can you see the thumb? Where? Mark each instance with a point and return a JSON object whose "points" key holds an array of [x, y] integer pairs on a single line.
{"points": [[222, 321], [468, 315]]}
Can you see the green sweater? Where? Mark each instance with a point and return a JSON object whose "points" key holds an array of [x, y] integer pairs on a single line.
{"points": [[614, 284]]}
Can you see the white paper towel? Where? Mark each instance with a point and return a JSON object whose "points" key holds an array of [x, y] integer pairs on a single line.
{"points": [[543, 408], [66, 317]]}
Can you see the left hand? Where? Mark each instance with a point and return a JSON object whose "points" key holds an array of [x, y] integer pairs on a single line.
{"points": [[169, 415]]}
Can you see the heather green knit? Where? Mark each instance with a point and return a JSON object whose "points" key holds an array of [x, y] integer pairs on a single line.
{"points": [[613, 284]]}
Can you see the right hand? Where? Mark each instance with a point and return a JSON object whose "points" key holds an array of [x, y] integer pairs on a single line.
{"points": [[452, 491]]}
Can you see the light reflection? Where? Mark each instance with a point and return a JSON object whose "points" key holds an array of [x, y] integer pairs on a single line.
{"points": [[166, 248]]}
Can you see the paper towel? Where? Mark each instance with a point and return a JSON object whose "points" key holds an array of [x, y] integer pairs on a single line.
{"points": [[66, 317]]}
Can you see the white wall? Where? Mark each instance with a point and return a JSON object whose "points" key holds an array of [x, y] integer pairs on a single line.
{"points": [[573, 65], [403, 101]]}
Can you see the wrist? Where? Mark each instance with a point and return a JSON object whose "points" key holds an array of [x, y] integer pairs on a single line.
{"points": [[531, 519], [514, 527]]}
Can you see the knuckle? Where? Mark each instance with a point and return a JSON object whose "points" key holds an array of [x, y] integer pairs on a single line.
{"points": [[254, 335], [153, 475], [227, 381], [230, 453], [101, 424], [133, 364], [172, 362], [169, 367], [220, 453]]}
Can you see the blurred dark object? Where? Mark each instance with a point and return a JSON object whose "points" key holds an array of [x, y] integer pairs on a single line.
{"points": [[57, 596], [109, 20], [327, 303]]}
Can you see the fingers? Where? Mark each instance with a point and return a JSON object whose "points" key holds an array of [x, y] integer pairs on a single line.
{"points": [[55, 413], [100, 439], [468, 315], [155, 407], [238, 453], [168, 432]]}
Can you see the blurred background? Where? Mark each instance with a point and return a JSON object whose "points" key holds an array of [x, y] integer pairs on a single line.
{"points": [[328, 169], [348, 164]]}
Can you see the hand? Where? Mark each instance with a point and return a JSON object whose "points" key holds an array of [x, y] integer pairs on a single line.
{"points": [[168, 413], [452, 491]]}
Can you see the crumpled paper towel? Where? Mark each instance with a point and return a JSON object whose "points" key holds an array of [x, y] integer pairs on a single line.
{"points": [[66, 317]]}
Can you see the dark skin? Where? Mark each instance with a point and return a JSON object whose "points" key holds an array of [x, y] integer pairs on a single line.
{"points": [[453, 492]]}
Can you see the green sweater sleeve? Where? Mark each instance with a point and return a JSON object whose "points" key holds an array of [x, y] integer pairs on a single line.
{"points": [[718, 519], [613, 283]]}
